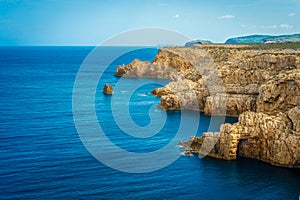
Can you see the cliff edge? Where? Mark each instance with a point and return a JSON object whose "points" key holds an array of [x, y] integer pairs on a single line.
{"points": [[260, 84]]}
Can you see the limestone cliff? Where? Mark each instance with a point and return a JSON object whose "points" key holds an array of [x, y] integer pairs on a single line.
{"points": [[270, 138], [260, 85]]}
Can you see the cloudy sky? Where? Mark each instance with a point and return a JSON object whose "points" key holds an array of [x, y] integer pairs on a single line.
{"points": [[75, 22]]}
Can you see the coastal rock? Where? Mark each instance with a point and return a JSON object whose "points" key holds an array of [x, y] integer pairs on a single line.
{"points": [[268, 85], [130, 68], [161, 92], [245, 75], [171, 58], [294, 116], [268, 138], [235, 104], [256, 135], [169, 102], [280, 94], [168, 64], [108, 89], [180, 96], [186, 153], [260, 86]]}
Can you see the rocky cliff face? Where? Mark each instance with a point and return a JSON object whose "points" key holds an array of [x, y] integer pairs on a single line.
{"points": [[262, 87], [269, 138], [280, 93]]}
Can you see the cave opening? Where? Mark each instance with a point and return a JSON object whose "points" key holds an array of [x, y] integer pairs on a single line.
{"points": [[240, 146]]}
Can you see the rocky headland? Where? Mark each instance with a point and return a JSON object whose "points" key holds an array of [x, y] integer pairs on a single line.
{"points": [[259, 84]]}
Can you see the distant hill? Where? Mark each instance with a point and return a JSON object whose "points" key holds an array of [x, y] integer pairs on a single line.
{"points": [[264, 39], [195, 42]]}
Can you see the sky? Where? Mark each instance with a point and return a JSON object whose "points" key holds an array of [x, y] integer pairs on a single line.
{"points": [[89, 22]]}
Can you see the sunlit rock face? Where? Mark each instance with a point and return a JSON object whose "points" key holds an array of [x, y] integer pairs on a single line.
{"points": [[108, 89], [261, 87]]}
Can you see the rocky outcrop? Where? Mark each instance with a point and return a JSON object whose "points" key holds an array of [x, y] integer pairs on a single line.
{"points": [[131, 69], [242, 75], [294, 116], [108, 89], [222, 145], [167, 64], [261, 87], [161, 92], [269, 138], [280, 94]]}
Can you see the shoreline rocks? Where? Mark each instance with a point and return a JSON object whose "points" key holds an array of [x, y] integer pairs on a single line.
{"points": [[108, 89], [269, 138], [261, 87]]}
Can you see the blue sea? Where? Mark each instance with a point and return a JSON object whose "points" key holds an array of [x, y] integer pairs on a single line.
{"points": [[42, 156]]}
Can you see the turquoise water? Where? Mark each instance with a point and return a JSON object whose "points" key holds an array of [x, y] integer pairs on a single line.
{"points": [[42, 156]]}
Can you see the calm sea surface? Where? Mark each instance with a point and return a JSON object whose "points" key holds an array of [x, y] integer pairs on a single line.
{"points": [[42, 156]]}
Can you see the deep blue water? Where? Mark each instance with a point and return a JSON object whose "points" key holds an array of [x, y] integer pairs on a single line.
{"points": [[42, 156]]}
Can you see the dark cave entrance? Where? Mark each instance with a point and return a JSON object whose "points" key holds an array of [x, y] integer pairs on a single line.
{"points": [[241, 144], [297, 164]]}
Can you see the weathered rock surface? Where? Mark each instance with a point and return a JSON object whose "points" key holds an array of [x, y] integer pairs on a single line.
{"points": [[108, 89], [269, 138], [161, 91], [262, 87], [136, 63], [244, 75], [280, 94], [294, 116]]}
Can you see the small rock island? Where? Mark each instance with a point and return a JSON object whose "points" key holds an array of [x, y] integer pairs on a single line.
{"points": [[108, 89], [261, 87]]}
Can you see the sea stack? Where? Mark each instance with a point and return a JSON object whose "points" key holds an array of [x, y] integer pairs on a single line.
{"points": [[108, 89]]}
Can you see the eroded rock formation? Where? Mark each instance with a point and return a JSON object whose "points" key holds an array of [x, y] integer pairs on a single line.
{"points": [[108, 89], [280, 93], [262, 87], [269, 138]]}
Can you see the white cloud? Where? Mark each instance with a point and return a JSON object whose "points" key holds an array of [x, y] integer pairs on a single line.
{"points": [[292, 14], [163, 4], [249, 27], [176, 16], [227, 17], [286, 26], [271, 26]]}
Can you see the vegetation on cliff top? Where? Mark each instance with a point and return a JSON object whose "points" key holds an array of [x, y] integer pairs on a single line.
{"points": [[285, 45], [264, 39], [259, 46]]}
